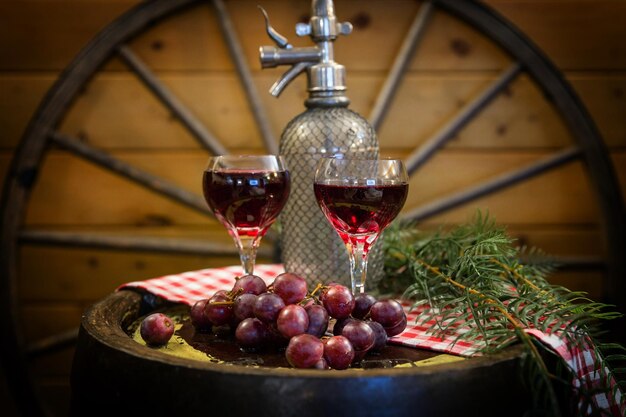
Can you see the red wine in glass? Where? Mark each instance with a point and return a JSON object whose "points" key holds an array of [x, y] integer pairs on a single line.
{"points": [[359, 213], [360, 198], [246, 194]]}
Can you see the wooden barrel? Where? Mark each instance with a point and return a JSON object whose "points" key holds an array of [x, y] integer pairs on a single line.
{"points": [[114, 375]]}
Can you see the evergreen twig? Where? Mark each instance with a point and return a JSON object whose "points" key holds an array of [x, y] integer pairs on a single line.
{"points": [[471, 275]]}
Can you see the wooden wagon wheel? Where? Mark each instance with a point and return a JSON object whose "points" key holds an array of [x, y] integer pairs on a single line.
{"points": [[43, 133]]}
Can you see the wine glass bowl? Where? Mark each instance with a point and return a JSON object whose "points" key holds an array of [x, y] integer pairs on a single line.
{"points": [[360, 198], [246, 193]]}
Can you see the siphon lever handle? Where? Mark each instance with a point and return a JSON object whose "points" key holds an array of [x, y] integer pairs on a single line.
{"points": [[278, 39]]}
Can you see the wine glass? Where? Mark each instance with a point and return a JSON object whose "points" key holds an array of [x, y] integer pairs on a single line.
{"points": [[246, 193], [360, 198]]}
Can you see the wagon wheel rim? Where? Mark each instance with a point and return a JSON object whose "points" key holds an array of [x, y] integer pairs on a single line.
{"points": [[113, 40]]}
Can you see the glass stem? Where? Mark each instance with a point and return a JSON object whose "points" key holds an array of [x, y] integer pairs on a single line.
{"points": [[247, 252], [358, 266]]}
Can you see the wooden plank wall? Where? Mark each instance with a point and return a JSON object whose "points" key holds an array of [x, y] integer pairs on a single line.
{"points": [[38, 38]]}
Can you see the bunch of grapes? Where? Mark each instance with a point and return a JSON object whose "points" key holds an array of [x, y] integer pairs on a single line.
{"points": [[285, 313]]}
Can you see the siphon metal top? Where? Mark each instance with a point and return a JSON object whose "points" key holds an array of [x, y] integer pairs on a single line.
{"points": [[326, 78]]}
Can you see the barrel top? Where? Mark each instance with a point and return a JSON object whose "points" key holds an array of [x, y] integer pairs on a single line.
{"points": [[108, 321]]}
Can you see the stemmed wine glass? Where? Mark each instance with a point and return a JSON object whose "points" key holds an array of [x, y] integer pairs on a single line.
{"points": [[360, 198], [246, 193]]}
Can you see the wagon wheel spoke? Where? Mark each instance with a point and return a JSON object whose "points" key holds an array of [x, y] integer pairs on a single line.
{"points": [[389, 88], [430, 146], [178, 109], [464, 116], [147, 180], [495, 184], [52, 343], [245, 76], [126, 170], [132, 243]]}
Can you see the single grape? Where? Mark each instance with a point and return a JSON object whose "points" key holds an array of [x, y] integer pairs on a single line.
{"points": [[387, 312], [307, 302], [199, 320], [340, 324], [222, 293], [217, 310], [267, 307], [292, 321], [243, 306], [362, 305], [359, 334], [156, 329], [325, 290], [250, 284], [318, 320], [291, 287], [380, 336], [251, 334], [339, 301], [397, 329], [304, 351], [339, 352]]}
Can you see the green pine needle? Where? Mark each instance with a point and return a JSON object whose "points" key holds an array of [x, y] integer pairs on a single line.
{"points": [[473, 274]]}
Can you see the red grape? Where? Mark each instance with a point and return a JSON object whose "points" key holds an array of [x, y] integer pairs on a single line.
{"points": [[304, 351], [318, 320], [340, 324], [359, 334], [217, 311], [199, 320], [292, 321], [250, 284], [387, 312], [397, 329], [339, 301], [326, 288], [221, 293], [243, 307], [380, 336], [307, 302], [157, 329], [291, 287], [338, 352], [267, 307], [251, 333], [362, 305]]}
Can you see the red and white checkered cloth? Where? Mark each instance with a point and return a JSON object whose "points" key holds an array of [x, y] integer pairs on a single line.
{"points": [[189, 287]]}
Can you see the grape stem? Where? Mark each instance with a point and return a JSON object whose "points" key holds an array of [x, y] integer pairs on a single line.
{"points": [[316, 289], [311, 295], [222, 303]]}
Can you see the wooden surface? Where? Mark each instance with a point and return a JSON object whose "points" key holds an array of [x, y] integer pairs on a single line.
{"points": [[38, 38]]}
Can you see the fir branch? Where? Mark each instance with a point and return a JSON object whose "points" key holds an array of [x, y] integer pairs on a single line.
{"points": [[472, 276], [472, 291]]}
